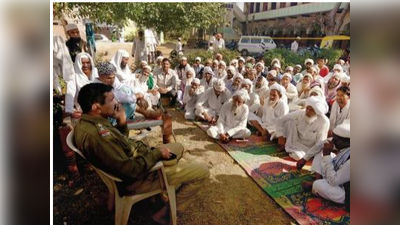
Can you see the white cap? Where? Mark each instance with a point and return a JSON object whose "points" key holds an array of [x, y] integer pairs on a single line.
{"points": [[242, 94], [279, 88], [338, 67], [346, 79], [71, 26], [196, 81], [241, 59], [287, 75], [183, 59], [219, 85], [309, 61], [343, 130], [222, 63], [198, 59]]}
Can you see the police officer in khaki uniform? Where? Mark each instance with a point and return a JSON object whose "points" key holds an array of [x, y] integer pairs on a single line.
{"points": [[109, 148]]}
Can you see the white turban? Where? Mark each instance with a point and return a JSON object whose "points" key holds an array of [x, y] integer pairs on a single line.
{"points": [[208, 69], [287, 75], [242, 94], [309, 61], [147, 67], [272, 72], [346, 79], [184, 59], [232, 69], [71, 26], [298, 65], [159, 59], [241, 59], [124, 53], [318, 104], [238, 75], [248, 82], [318, 91], [198, 59], [216, 62], [219, 85], [277, 65], [309, 75], [279, 88], [233, 61], [262, 65], [290, 68], [222, 63], [143, 63], [191, 70], [338, 67], [196, 81], [343, 130]]}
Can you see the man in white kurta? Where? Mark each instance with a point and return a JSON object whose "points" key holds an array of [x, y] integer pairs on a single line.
{"points": [[208, 78], [291, 90], [341, 108], [124, 74], [220, 73], [230, 73], [236, 83], [304, 129], [273, 109], [219, 42], [295, 45], [139, 50], [232, 120], [192, 94], [85, 72], [209, 105], [254, 102], [152, 96], [333, 171]]}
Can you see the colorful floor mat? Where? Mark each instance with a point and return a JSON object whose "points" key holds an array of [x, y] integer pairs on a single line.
{"points": [[276, 173]]}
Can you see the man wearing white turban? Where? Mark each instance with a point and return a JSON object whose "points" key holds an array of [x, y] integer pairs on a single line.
{"points": [[209, 104], [291, 90], [192, 94], [208, 78], [230, 73], [232, 120], [85, 72], [304, 87], [254, 102], [151, 95], [186, 80], [303, 129], [298, 103], [273, 109], [236, 83], [260, 70], [337, 68], [124, 74], [220, 73], [333, 171], [331, 87], [75, 43]]}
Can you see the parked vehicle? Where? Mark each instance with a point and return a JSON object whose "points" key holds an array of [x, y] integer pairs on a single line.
{"points": [[231, 45], [255, 44], [202, 44]]}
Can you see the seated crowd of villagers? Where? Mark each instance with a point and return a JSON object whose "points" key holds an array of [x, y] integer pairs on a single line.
{"points": [[304, 108]]}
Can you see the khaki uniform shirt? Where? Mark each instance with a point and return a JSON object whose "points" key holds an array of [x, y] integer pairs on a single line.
{"points": [[110, 150]]}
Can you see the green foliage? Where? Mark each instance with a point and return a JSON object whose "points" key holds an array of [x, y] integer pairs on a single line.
{"points": [[129, 37], [204, 55], [169, 16], [289, 58]]}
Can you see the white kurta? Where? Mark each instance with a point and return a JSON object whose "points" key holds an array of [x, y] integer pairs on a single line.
{"points": [[300, 134], [78, 81], [190, 101], [219, 44], [62, 63], [141, 86], [291, 92], [139, 50], [294, 46], [211, 103], [220, 74], [254, 102], [124, 75], [339, 115], [233, 123], [330, 187], [206, 84]]}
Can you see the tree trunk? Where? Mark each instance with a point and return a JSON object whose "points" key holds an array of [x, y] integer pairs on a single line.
{"points": [[341, 18]]}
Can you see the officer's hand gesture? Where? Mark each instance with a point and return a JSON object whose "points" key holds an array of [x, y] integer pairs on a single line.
{"points": [[119, 114]]}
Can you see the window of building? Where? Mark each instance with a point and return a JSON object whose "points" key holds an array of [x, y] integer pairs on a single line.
{"points": [[282, 5], [251, 7], [265, 7], [293, 3], [258, 7], [273, 5], [245, 40]]}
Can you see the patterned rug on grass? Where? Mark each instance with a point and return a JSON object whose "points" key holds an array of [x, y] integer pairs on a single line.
{"points": [[276, 173]]}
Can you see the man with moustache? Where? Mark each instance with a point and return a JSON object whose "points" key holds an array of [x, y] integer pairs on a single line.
{"points": [[166, 81], [301, 130], [340, 110], [230, 73], [208, 78], [75, 43], [236, 83], [209, 105], [254, 100], [304, 86], [232, 120], [152, 96], [291, 90], [192, 94], [273, 109], [85, 72], [220, 73], [124, 73], [331, 87]]}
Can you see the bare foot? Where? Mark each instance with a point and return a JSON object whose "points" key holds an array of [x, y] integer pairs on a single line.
{"points": [[307, 185]]}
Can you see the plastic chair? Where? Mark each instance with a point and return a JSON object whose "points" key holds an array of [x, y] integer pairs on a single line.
{"points": [[123, 205]]}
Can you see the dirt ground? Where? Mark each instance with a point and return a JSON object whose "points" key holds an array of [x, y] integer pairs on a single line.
{"points": [[229, 197]]}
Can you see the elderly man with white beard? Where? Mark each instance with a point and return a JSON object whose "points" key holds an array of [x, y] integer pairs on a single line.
{"points": [[304, 86], [236, 83], [208, 78], [220, 73], [304, 128], [331, 87], [273, 109], [291, 90], [232, 120], [260, 70], [124, 74], [261, 88], [230, 73], [254, 102], [186, 80], [340, 110], [298, 104], [151, 95], [192, 94], [209, 104], [252, 76]]}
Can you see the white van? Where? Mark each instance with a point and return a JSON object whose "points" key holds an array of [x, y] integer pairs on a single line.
{"points": [[255, 44]]}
